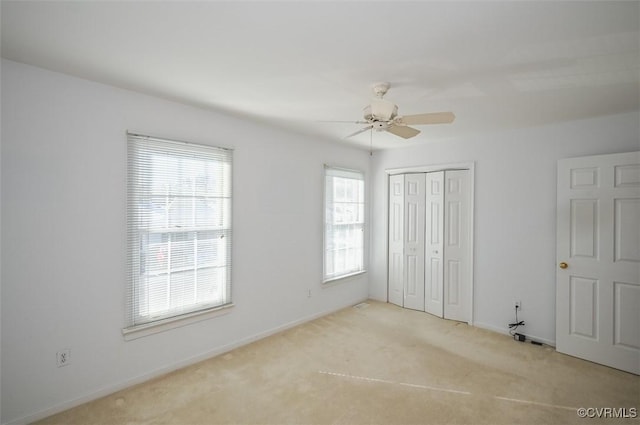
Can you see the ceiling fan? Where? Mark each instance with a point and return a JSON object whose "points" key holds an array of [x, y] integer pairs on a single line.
{"points": [[382, 115]]}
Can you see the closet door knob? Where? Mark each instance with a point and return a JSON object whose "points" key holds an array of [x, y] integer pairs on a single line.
{"points": [[563, 265]]}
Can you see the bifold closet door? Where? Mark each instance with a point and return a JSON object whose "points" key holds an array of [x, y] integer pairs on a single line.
{"points": [[447, 246], [396, 240], [457, 245], [430, 241], [434, 244], [414, 220]]}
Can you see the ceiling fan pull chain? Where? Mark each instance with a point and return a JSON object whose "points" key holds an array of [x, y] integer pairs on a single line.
{"points": [[371, 142]]}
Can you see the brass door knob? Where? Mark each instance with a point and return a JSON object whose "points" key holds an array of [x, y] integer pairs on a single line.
{"points": [[563, 265]]}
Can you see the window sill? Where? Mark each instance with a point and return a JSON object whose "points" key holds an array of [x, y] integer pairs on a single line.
{"points": [[147, 329], [340, 279]]}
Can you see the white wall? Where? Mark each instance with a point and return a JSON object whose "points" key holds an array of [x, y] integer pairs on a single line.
{"points": [[63, 237], [0, 246], [515, 199], [63, 170]]}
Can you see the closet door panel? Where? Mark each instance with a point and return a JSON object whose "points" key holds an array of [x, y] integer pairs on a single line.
{"points": [[434, 243], [396, 240], [457, 240], [414, 197]]}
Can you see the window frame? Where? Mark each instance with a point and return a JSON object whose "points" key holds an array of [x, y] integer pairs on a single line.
{"points": [[335, 278], [139, 156]]}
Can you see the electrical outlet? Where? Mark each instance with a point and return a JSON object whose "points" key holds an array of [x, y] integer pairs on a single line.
{"points": [[309, 294], [519, 305], [63, 357]]}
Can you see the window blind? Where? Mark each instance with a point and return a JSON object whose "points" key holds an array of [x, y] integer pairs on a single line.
{"points": [[343, 223], [179, 228]]}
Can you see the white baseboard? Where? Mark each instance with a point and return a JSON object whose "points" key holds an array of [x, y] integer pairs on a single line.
{"points": [[110, 389], [505, 331]]}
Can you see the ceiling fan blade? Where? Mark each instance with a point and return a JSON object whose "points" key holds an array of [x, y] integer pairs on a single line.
{"points": [[403, 131], [362, 130], [423, 119], [349, 122]]}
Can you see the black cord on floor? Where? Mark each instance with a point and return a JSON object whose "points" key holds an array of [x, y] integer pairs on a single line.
{"points": [[514, 326]]}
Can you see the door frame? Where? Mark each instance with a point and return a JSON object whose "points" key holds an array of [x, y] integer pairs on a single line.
{"points": [[430, 168]]}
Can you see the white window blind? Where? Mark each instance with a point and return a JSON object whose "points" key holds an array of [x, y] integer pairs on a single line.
{"points": [[179, 229], [343, 223]]}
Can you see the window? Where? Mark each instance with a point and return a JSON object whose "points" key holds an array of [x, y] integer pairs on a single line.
{"points": [[343, 223], [179, 229]]}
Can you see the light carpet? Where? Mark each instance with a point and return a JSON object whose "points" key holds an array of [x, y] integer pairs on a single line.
{"points": [[377, 364]]}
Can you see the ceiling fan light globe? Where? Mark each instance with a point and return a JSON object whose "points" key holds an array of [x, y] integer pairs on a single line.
{"points": [[380, 125]]}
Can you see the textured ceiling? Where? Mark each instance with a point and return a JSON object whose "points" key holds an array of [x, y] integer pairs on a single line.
{"points": [[496, 65]]}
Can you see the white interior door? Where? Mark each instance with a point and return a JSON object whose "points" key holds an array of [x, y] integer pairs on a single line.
{"points": [[434, 244], [598, 254], [396, 239], [414, 201], [457, 245]]}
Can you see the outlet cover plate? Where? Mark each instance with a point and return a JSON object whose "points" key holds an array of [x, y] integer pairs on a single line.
{"points": [[63, 357]]}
